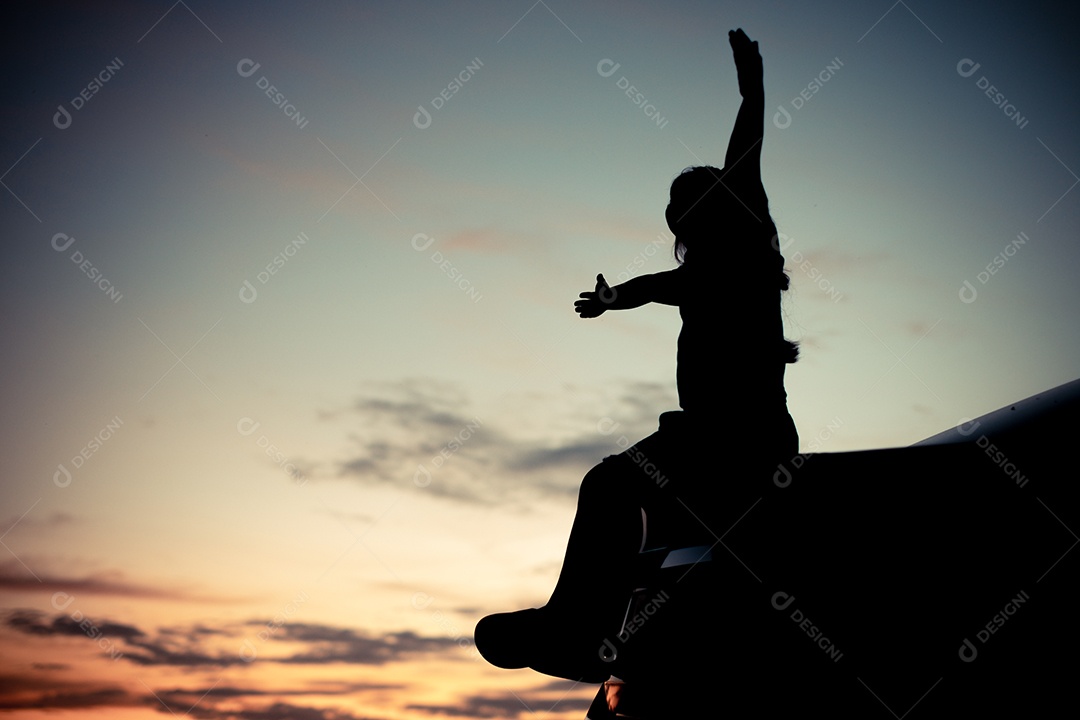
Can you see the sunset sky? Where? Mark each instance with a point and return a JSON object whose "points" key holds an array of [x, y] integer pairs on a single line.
{"points": [[295, 391]]}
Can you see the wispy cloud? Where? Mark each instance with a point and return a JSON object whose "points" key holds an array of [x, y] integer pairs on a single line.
{"points": [[523, 704], [29, 691], [330, 644], [31, 622], [13, 578], [277, 711], [238, 644], [420, 433]]}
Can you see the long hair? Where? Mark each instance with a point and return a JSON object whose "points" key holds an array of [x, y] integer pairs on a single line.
{"points": [[717, 222]]}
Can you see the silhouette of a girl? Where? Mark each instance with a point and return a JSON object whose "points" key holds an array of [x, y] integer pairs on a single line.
{"points": [[730, 377]]}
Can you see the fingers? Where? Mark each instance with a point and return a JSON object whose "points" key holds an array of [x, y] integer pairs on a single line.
{"points": [[588, 308], [590, 304], [740, 42]]}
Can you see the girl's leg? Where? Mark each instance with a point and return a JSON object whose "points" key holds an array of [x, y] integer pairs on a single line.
{"points": [[564, 638], [604, 539]]}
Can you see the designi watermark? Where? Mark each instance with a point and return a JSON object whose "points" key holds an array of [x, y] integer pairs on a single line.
{"points": [[968, 292], [63, 118], [247, 67], [422, 118], [968, 650], [607, 67], [421, 242], [422, 476], [782, 118], [62, 477], [62, 600], [967, 67], [61, 242]]}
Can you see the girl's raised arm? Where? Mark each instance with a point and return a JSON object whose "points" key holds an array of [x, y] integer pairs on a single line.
{"points": [[744, 148]]}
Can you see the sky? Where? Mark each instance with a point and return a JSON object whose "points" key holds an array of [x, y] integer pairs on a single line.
{"points": [[295, 388]]}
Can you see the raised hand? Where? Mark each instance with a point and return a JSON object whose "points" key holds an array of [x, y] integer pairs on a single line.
{"points": [[747, 63], [596, 302]]}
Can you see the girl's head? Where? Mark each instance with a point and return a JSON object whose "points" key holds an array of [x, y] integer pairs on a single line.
{"points": [[722, 221]]}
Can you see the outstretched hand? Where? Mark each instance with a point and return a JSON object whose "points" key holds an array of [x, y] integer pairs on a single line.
{"points": [[596, 302], [747, 63]]}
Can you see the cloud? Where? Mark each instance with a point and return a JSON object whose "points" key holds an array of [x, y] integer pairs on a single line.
{"points": [[838, 259], [49, 693], [53, 521], [180, 695], [238, 644], [50, 666], [25, 692], [30, 622], [486, 239], [277, 711], [424, 434], [343, 645], [13, 578], [510, 706]]}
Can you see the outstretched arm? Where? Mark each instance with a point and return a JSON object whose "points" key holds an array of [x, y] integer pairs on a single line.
{"points": [[744, 149], [664, 287]]}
